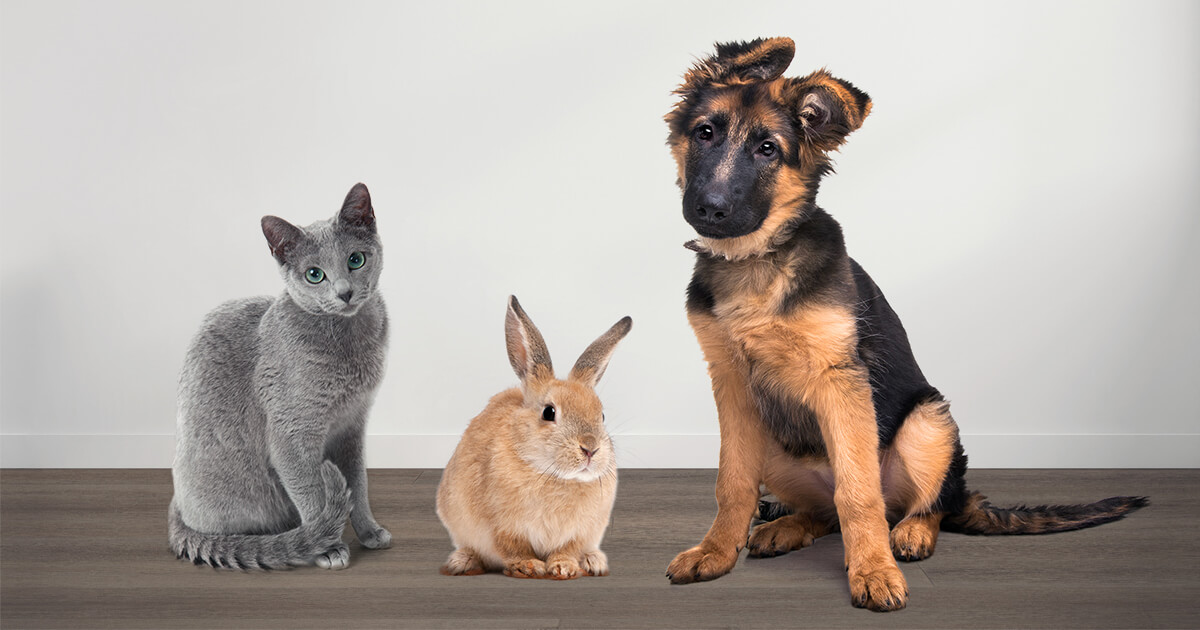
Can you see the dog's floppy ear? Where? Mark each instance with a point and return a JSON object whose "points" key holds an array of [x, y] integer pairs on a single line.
{"points": [[761, 59], [827, 109], [739, 62]]}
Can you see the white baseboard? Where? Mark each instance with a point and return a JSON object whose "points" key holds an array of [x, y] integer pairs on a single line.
{"points": [[633, 451]]}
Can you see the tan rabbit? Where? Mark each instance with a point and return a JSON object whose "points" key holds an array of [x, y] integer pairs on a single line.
{"points": [[530, 488]]}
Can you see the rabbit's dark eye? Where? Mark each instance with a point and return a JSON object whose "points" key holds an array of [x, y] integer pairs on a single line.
{"points": [[548, 413]]}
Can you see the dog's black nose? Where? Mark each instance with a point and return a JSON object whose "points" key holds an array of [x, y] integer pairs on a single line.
{"points": [[712, 208]]}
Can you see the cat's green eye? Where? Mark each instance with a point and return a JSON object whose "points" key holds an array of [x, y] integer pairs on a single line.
{"points": [[357, 260], [314, 275]]}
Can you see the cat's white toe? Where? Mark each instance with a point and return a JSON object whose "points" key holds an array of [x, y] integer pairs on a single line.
{"points": [[335, 559]]}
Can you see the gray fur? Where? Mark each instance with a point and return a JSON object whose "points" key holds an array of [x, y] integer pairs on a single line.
{"points": [[273, 403]]}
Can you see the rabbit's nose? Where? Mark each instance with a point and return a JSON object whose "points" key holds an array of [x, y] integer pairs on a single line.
{"points": [[589, 453]]}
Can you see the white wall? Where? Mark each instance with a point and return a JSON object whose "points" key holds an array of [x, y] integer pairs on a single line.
{"points": [[1025, 192]]}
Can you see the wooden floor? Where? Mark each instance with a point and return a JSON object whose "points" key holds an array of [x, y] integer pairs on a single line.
{"points": [[87, 548]]}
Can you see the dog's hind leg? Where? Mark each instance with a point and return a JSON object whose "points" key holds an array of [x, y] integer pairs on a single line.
{"points": [[915, 537], [787, 533], [916, 468], [805, 486]]}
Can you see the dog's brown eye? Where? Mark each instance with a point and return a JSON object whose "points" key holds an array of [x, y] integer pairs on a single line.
{"points": [[703, 132], [767, 149], [548, 413]]}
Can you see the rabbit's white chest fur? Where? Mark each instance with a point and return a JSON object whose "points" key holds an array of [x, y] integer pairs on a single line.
{"points": [[562, 511]]}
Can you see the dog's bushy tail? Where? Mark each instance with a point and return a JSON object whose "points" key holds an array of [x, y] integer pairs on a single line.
{"points": [[979, 516], [295, 547]]}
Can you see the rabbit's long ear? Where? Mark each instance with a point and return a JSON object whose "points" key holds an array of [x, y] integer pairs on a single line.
{"points": [[591, 364], [526, 349]]}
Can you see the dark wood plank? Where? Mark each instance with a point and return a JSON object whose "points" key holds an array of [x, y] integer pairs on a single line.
{"points": [[87, 548]]}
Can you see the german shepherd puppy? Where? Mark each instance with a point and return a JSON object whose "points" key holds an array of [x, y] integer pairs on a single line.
{"points": [[818, 394]]}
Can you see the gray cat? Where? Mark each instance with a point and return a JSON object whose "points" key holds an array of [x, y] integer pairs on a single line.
{"points": [[273, 403]]}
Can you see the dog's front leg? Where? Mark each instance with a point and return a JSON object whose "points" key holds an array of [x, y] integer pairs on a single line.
{"points": [[740, 469], [841, 398]]}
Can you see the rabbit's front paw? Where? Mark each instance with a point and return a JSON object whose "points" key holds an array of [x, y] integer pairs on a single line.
{"points": [[531, 568], [562, 569], [463, 561], [595, 563]]}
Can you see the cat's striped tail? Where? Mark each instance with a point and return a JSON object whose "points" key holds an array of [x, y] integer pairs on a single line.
{"points": [[294, 547], [981, 517]]}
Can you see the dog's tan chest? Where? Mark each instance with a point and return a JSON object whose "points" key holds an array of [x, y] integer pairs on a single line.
{"points": [[785, 358], [812, 339]]}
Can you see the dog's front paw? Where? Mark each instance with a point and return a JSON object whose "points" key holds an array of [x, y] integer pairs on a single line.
{"points": [[701, 563], [335, 558], [375, 538], [880, 588], [531, 568]]}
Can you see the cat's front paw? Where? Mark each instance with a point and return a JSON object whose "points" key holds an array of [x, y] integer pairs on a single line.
{"points": [[375, 538], [335, 558]]}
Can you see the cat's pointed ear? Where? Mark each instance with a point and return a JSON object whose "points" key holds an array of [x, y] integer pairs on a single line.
{"points": [[281, 236], [592, 363], [357, 211], [526, 349]]}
